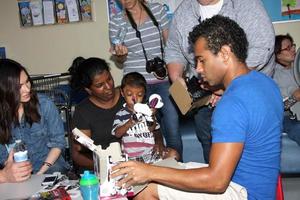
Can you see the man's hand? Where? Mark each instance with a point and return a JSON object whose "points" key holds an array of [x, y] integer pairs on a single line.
{"points": [[217, 93], [296, 94], [15, 172], [215, 97], [134, 173]]}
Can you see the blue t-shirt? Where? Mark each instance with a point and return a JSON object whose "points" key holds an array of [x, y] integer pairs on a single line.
{"points": [[251, 112]]}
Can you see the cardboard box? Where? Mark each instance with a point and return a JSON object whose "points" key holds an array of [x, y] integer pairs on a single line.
{"points": [[183, 98]]}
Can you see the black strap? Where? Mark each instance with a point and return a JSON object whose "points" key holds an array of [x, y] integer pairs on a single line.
{"points": [[150, 14], [138, 33]]}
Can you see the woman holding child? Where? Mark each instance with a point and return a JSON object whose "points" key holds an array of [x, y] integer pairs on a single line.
{"points": [[94, 115]]}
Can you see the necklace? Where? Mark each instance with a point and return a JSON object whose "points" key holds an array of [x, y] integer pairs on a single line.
{"points": [[140, 17], [134, 13]]}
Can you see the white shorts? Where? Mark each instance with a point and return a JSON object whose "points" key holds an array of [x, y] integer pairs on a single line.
{"points": [[233, 192]]}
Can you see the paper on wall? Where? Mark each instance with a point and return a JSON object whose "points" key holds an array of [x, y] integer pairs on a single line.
{"points": [[37, 12], [72, 10], [48, 6]]}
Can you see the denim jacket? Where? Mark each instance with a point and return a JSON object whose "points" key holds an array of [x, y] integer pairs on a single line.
{"points": [[40, 137]]}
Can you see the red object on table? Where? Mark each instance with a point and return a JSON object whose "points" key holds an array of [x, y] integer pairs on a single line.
{"points": [[279, 189]]}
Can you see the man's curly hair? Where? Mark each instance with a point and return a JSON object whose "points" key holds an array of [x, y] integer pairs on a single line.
{"points": [[219, 31]]}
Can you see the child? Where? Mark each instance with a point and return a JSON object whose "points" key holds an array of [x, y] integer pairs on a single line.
{"points": [[140, 139]]}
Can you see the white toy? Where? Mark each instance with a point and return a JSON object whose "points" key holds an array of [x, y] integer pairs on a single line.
{"points": [[104, 160], [145, 110]]}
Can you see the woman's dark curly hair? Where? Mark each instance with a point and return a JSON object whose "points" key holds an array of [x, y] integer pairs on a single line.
{"points": [[219, 31], [10, 99], [83, 71]]}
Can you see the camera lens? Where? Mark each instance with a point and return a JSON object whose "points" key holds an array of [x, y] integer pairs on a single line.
{"points": [[149, 66], [161, 72]]}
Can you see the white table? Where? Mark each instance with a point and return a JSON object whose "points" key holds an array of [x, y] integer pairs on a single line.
{"points": [[21, 190], [24, 190]]}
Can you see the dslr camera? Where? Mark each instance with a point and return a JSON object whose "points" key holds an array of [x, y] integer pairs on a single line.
{"points": [[194, 89], [157, 66]]}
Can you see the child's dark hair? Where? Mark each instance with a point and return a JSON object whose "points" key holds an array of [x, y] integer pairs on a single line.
{"points": [[134, 79]]}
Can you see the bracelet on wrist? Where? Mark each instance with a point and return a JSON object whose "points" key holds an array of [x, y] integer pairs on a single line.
{"points": [[47, 164]]}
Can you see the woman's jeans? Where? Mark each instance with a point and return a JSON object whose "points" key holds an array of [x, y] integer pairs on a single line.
{"points": [[167, 115], [202, 119], [292, 128]]}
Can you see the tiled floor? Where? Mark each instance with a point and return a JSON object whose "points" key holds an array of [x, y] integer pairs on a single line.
{"points": [[291, 188]]}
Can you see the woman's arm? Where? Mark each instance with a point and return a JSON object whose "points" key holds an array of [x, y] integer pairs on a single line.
{"points": [[53, 155], [55, 134], [165, 34], [81, 157]]}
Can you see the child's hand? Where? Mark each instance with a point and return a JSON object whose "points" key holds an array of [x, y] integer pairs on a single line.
{"points": [[134, 118], [132, 121], [154, 110], [151, 125], [159, 149], [169, 152]]}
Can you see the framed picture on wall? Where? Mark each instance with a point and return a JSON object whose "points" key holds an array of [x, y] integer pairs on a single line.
{"points": [[113, 7], [290, 7], [282, 10]]}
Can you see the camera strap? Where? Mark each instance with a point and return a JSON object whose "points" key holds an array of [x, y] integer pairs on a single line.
{"points": [[138, 33]]}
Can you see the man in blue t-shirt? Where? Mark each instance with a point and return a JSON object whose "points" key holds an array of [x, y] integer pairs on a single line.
{"points": [[246, 127]]}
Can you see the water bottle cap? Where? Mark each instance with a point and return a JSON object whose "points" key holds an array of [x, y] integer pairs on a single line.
{"points": [[116, 41], [88, 179]]}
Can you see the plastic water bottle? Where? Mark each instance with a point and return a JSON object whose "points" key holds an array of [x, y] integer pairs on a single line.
{"points": [[20, 151], [120, 36], [89, 186]]}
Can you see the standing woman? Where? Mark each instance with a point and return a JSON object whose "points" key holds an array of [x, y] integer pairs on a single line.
{"points": [[146, 28], [30, 117], [94, 115]]}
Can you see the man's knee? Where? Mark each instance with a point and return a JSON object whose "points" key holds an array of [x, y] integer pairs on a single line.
{"points": [[149, 193]]}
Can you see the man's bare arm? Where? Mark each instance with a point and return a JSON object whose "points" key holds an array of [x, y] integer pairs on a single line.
{"points": [[214, 179]]}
